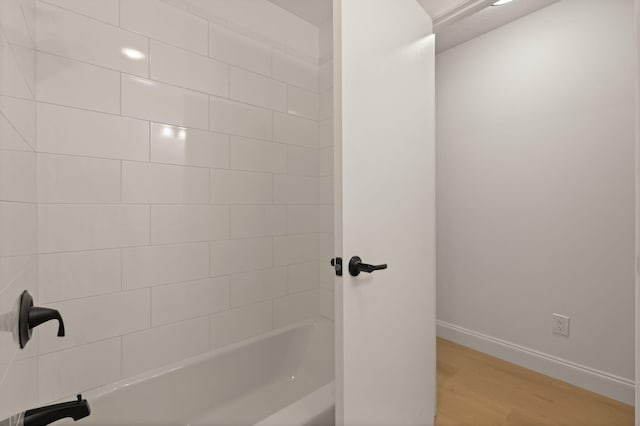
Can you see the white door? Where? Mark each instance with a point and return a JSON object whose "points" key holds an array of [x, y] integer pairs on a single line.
{"points": [[385, 203]]}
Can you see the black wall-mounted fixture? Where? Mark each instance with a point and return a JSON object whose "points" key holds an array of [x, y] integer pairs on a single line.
{"points": [[43, 416], [32, 316], [337, 264]]}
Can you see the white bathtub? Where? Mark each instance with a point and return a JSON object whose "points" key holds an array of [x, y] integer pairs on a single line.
{"points": [[282, 378]]}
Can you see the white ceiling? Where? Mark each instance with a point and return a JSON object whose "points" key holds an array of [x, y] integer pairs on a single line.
{"points": [[437, 8], [486, 20], [320, 11], [483, 21], [314, 11]]}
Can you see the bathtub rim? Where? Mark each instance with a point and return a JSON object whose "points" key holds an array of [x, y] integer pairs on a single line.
{"points": [[101, 391]]}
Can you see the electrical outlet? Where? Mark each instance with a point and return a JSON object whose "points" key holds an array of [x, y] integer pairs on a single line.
{"points": [[560, 324]]}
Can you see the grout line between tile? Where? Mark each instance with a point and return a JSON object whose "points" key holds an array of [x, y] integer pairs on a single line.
{"points": [[121, 269], [121, 357]]}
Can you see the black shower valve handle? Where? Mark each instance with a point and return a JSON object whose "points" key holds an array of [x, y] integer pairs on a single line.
{"points": [[31, 316]]}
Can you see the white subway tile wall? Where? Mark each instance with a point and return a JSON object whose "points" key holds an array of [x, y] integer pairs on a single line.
{"points": [[175, 198], [324, 160], [82, 367], [19, 373]]}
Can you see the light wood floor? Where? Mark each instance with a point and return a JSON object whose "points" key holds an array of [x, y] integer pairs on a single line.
{"points": [[477, 389]]}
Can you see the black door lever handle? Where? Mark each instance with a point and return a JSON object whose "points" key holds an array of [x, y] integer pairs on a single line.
{"points": [[356, 266]]}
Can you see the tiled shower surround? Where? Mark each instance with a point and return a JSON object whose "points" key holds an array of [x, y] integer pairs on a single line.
{"points": [[178, 196], [18, 199]]}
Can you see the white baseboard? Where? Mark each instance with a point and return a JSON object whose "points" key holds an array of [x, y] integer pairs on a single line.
{"points": [[600, 382]]}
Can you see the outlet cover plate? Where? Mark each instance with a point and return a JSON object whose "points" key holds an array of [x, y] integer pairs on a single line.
{"points": [[561, 324]]}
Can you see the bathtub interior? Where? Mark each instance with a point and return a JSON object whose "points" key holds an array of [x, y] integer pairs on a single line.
{"points": [[314, 409], [240, 385]]}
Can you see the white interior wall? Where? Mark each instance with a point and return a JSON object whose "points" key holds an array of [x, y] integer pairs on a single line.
{"points": [[536, 192], [184, 197]]}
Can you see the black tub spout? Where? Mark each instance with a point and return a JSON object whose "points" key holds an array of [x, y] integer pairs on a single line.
{"points": [[43, 416]]}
